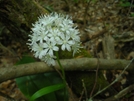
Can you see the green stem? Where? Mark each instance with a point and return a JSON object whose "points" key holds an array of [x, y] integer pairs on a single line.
{"points": [[62, 70], [63, 74]]}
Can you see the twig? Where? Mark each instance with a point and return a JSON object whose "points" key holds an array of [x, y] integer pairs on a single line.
{"points": [[85, 37], [85, 13], [40, 7], [84, 88], [117, 79], [130, 7], [82, 93], [121, 93], [96, 78]]}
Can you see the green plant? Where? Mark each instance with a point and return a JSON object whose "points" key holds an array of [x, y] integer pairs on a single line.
{"points": [[41, 87], [125, 3]]}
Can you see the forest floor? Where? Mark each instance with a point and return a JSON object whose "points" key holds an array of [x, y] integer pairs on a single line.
{"points": [[107, 31]]}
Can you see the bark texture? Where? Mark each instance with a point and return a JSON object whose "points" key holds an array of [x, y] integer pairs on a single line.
{"points": [[18, 15], [81, 64]]}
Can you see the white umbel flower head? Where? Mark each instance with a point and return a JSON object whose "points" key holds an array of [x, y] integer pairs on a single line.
{"points": [[52, 32]]}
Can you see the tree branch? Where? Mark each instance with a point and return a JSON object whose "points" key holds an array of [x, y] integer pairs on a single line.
{"points": [[80, 64]]}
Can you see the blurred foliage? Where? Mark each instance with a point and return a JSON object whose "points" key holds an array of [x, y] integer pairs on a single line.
{"points": [[1, 29], [125, 3], [85, 1], [128, 4], [30, 85], [85, 80], [68, 55]]}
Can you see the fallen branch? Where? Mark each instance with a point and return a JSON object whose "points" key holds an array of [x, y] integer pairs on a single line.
{"points": [[121, 93], [81, 64]]}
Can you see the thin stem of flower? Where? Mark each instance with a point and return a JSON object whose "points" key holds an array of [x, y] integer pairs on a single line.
{"points": [[63, 75], [62, 70]]}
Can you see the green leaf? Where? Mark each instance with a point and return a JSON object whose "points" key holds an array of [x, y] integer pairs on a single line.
{"points": [[41, 81], [132, 14], [26, 86], [31, 84], [76, 1], [25, 59], [126, 4], [46, 90]]}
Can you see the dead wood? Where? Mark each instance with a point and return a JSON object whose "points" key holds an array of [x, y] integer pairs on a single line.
{"points": [[81, 64]]}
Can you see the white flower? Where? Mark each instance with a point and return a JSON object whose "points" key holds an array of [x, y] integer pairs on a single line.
{"points": [[51, 33], [49, 60], [46, 20], [65, 42], [54, 34], [65, 29], [33, 39], [75, 35], [38, 49], [42, 36], [76, 47], [50, 46]]}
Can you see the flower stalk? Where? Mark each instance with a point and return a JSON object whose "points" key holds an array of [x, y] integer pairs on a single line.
{"points": [[63, 75], [51, 33]]}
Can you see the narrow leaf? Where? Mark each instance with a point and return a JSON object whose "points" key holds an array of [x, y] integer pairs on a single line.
{"points": [[46, 90]]}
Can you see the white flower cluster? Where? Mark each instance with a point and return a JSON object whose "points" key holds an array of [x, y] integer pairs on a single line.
{"points": [[52, 32]]}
